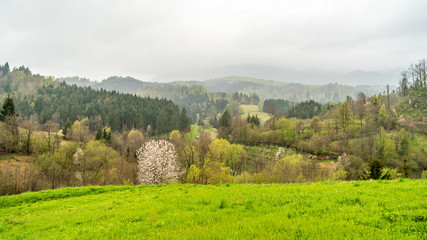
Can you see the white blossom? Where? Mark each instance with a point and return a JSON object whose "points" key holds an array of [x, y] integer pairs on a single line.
{"points": [[78, 156], [157, 162], [279, 154]]}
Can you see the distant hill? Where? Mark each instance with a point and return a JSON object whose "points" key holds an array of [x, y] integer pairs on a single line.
{"points": [[296, 92], [289, 91], [80, 82], [124, 84], [361, 77], [115, 83]]}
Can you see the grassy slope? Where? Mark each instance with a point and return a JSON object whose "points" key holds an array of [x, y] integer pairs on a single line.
{"points": [[342, 210], [253, 110]]}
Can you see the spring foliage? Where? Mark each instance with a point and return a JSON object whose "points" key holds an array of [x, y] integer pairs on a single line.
{"points": [[157, 162]]}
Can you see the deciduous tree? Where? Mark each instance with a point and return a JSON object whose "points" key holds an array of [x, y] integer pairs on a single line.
{"points": [[157, 162]]}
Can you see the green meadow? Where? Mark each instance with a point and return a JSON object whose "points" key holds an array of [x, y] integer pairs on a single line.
{"points": [[328, 210], [254, 110]]}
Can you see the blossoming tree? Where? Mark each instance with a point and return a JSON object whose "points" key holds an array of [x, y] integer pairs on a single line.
{"points": [[157, 162]]}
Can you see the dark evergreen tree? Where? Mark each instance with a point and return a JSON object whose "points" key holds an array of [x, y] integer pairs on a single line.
{"points": [[184, 120], [98, 135], [67, 126], [224, 125], [273, 106], [118, 111], [5, 69], [104, 133], [108, 138], [253, 120], [162, 122], [305, 110], [8, 108], [376, 166], [225, 119]]}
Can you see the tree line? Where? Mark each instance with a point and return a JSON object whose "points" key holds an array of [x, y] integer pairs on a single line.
{"points": [[374, 137], [116, 110], [201, 105]]}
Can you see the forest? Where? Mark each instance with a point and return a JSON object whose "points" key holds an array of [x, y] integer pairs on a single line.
{"points": [[53, 134]]}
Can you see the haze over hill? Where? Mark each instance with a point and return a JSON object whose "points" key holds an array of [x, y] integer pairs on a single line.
{"points": [[308, 42], [353, 78], [296, 92]]}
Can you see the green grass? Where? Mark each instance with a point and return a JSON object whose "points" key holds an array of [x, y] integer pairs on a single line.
{"points": [[7, 156], [339, 210], [195, 131], [268, 152], [254, 110], [246, 108]]}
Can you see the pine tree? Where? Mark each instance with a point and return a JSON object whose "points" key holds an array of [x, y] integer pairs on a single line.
{"points": [[224, 121], [224, 125], [184, 120], [98, 134], [376, 166], [67, 126], [105, 135], [5, 69], [108, 138], [8, 108]]}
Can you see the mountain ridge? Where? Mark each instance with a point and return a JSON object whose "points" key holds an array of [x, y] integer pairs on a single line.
{"points": [[263, 88]]}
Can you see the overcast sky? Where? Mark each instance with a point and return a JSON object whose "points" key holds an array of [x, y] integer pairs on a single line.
{"points": [[307, 41]]}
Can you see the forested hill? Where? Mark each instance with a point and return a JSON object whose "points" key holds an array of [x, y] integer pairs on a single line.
{"points": [[200, 103], [265, 89], [115, 83], [46, 99], [289, 91]]}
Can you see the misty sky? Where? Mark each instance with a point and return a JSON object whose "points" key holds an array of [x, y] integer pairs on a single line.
{"points": [[296, 41]]}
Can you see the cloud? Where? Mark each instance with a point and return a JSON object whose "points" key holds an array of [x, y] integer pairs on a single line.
{"points": [[183, 40]]}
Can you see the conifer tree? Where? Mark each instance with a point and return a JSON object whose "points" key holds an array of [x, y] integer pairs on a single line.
{"points": [[98, 134], [8, 108], [184, 120], [5, 69]]}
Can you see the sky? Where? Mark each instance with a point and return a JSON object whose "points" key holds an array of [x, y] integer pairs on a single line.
{"points": [[304, 41]]}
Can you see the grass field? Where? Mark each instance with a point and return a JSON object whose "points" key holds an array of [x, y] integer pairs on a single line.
{"points": [[339, 210], [253, 110]]}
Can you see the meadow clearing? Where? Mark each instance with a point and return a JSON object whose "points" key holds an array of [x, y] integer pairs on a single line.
{"points": [[327, 210]]}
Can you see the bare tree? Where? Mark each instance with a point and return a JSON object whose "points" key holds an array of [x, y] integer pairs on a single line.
{"points": [[29, 127], [360, 107], [50, 127]]}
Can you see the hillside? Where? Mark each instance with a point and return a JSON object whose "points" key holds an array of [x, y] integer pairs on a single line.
{"points": [[115, 83], [263, 88], [124, 85], [340, 210], [47, 99], [290, 91]]}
